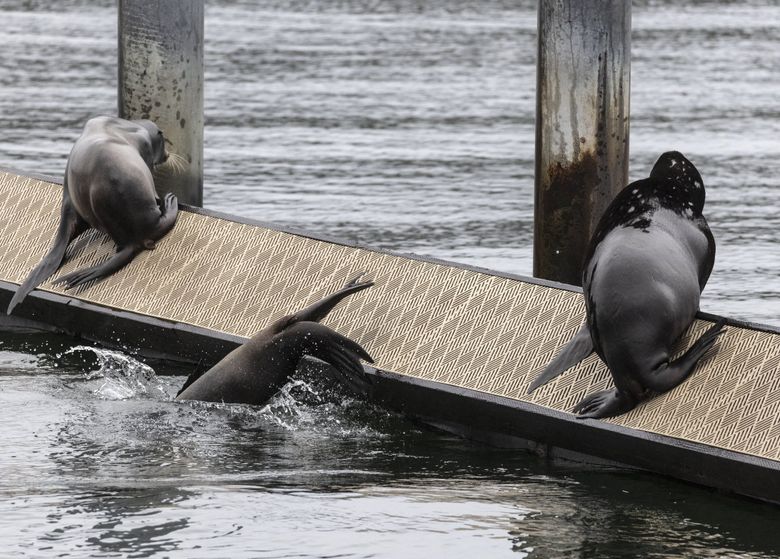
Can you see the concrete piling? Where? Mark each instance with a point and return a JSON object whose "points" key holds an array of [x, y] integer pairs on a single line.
{"points": [[582, 124], [161, 79]]}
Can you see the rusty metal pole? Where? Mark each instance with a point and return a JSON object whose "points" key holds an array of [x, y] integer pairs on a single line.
{"points": [[161, 79], [582, 109]]}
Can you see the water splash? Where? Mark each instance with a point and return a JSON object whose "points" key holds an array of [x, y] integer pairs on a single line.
{"points": [[121, 377], [290, 408], [310, 407], [292, 405], [304, 408]]}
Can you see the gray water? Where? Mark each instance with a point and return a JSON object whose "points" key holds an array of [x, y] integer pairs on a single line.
{"points": [[407, 125]]}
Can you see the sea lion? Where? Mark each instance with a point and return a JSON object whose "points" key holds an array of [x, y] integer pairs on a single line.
{"points": [[256, 370], [647, 263], [109, 186]]}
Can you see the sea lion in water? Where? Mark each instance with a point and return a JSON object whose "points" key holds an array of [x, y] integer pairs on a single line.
{"points": [[647, 263], [255, 371], [109, 186]]}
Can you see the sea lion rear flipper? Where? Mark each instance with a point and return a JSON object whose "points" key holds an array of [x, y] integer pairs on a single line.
{"points": [[669, 375], [344, 356], [116, 262], [320, 309], [578, 348], [71, 226]]}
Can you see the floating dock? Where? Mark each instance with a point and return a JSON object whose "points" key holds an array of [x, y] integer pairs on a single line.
{"points": [[455, 346]]}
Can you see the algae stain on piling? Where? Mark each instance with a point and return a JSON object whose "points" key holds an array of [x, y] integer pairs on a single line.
{"points": [[563, 230]]}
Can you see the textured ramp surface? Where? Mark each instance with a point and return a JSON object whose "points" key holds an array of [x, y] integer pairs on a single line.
{"points": [[423, 319]]}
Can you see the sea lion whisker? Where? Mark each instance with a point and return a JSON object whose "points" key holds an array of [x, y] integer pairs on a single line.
{"points": [[174, 164]]}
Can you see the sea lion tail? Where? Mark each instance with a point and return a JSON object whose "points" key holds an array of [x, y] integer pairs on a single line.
{"points": [[578, 348]]}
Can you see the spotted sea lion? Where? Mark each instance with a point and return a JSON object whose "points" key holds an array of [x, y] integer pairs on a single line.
{"points": [[647, 263], [256, 370], [109, 186]]}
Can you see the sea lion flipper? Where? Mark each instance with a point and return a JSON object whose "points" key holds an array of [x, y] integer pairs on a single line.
{"points": [[348, 371], [605, 403], [354, 281], [71, 226], [169, 211], [344, 356], [356, 348], [578, 348], [120, 259], [669, 375], [320, 309]]}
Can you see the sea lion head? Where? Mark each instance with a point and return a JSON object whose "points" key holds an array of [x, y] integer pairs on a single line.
{"points": [[159, 153], [684, 183]]}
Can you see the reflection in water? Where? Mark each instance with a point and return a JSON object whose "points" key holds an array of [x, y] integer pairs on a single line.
{"points": [[121, 521], [664, 518]]}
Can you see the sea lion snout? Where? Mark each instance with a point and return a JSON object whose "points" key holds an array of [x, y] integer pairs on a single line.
{"points": [[157, 140]]}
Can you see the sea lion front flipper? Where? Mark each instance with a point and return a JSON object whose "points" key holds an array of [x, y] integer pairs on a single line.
{"points": [[120, 259], [169, 211], [320, 309], [578, 348], [71, 226]]}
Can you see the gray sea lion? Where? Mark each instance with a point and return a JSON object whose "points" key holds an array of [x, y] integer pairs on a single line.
{"points": [[647, 263], [255, 371], [109, 186]]}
